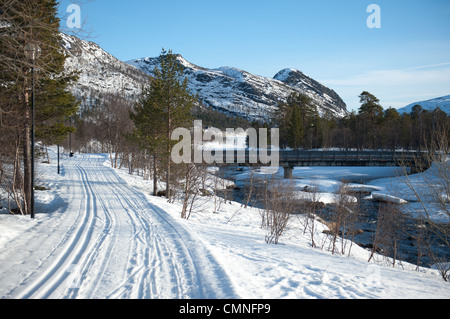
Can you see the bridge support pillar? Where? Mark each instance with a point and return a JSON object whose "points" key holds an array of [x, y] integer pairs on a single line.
{"points": [[288, 172]]}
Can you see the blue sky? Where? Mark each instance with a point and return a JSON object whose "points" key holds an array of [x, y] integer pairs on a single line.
{"points": [[404, 61]]}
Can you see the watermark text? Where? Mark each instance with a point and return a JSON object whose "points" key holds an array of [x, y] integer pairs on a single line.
{"points": [[374, 20], [74, 18], [257, 151]]}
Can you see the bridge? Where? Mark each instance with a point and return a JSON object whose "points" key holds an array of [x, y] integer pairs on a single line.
{"points": [[288, 159], [291, 159]]}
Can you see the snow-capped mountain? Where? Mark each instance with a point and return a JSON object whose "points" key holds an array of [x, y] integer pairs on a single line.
{"points": [[226, 89], [247, 95], [323, 96], [442, 102], [101, 74]]}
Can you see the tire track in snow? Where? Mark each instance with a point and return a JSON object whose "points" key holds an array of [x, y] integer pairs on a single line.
{"points": [[158, 268], [105, 239], [115, 224], [184, 260], [77, 244]]}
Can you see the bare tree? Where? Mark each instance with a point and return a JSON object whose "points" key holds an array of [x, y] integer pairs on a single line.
{"points": [[192, 186], [309, 203], [249, 189], [343, 220], [431, 190], [114, 123], [390, 224], [279, 206]]}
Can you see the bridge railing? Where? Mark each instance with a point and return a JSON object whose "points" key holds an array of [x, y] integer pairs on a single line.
{"points": [[330, 156], [292, 156]]}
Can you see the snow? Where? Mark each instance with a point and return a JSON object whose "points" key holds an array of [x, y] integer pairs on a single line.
{"points": [[101, 74], [442, 102], [234, 73], [225, 140], [239, 92], [284, 74], [322, 183], [427, 186], [99, 234], [387, 198]]}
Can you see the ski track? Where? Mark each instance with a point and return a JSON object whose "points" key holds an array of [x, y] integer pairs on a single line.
{"points": [[120, 246]]}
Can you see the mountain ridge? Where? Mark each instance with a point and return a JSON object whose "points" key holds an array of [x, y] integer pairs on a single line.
{"points": [[100, 73], [442, 102], [227, 89], [254, 97]]}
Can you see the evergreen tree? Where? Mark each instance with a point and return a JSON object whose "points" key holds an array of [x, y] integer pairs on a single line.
{"points": [[55, 106], [371, 112], [295, 127], [33, 22], [390, 129], [165, 105], [370, 105], [294, 116]]}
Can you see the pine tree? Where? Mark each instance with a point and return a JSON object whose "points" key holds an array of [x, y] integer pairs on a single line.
{"points": [[33, 22], [293, 118], [165, 105], [55, 106], [295, 127], [372, 111]]}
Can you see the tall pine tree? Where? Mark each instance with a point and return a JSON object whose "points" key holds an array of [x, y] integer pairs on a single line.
{"points": [[165, 105], [293, 118], [372, 112], [22, 23]]}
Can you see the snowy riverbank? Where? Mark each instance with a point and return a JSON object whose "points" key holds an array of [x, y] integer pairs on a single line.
{"points": [[99, 234]]}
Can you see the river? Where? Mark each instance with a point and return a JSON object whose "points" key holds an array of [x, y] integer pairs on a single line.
{"points": [[410, 234]]}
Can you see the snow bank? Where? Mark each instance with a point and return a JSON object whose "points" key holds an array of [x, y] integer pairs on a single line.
{"points": [[386, 198], [420, 191], [325, 198], [231, 234], [383, 183], [293, 269]]}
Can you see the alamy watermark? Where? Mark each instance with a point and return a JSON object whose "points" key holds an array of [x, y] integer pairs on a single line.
{"points": [[374, 20], [257, 151], [74, 19]]}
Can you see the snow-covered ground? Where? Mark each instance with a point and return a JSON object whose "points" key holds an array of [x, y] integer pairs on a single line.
{"points": [[99, 234]]}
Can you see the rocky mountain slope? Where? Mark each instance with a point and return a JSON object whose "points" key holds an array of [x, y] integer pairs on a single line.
{"points": [[101, 74], [247, 95], [229, 90]]}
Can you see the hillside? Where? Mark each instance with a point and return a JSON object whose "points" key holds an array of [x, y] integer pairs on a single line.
{"points": [[441, 102], [226, 89], [101, 73], [253, 97]]}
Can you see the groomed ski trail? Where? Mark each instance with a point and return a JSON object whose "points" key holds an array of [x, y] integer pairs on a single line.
{"points": [[111, 243]]}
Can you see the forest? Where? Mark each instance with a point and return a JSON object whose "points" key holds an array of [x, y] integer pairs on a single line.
{"points": [[372, 127]]}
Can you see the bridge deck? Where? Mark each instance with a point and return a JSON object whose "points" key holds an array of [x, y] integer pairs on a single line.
{"points": [[347, 158], [290, 159], [332, 158]]}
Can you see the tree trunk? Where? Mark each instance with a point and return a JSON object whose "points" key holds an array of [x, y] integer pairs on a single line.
{"points": [[27, 154], [186, 191], [169, 127], [155, 180]]}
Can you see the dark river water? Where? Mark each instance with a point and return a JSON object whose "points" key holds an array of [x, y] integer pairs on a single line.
{"points": [[410, 235]]}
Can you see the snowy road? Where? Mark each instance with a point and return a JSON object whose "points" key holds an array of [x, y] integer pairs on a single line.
{"points": [[97, 235], [107, 241]]}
